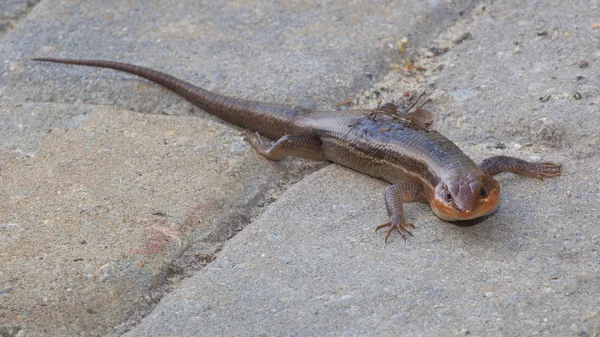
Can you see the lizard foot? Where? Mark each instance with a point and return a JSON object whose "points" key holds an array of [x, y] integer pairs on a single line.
{"points": [[254, 140], [399, 226], [545, 170]]}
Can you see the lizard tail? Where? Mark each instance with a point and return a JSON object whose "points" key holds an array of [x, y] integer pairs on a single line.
{"points": [[270, 120]]}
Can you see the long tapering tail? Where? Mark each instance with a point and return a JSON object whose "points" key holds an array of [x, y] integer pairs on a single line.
{"points": [[270, 120]]}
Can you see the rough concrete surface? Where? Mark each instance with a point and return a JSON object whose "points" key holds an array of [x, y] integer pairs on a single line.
{"points": [[11, 11], [104, 210]]}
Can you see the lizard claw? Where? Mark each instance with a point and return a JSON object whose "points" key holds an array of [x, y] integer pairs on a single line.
{"points": [[252, 139], [405, 226], [247, 137]]}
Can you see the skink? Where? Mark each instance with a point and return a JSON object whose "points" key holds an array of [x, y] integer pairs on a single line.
{"points": [[422, 165]]}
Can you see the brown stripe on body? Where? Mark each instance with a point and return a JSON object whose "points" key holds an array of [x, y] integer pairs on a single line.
{"points": [[378, 162]]}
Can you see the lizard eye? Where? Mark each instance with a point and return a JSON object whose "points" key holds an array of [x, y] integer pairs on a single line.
{"points": [[483, 193], [448, 196]]}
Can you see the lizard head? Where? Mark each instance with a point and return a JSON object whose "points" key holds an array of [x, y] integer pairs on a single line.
{"points": [[465, 197]]}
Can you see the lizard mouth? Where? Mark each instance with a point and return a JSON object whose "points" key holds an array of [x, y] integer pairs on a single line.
{"points": [[478, 208]]}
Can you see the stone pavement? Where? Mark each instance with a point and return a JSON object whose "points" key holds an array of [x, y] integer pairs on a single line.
{"points": [[124, 209]]}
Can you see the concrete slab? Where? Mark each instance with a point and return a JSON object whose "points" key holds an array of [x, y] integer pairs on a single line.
{"points": [[507, 78], [310, 53], [313, 265], [11, 11], [99, 213]]}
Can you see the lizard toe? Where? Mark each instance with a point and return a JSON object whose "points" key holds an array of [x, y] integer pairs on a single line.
{"points": [[401, 228]]}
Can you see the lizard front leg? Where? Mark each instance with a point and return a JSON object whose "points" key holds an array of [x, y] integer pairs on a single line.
{"points": [[499, 164], [395, 196], [306, 146]]}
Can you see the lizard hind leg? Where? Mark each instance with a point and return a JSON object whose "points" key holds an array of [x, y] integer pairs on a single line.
{"points": [[306, 146], [414, 113], [395, 196]]}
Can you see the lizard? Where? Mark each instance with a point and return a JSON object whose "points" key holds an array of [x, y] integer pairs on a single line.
{"points": [[420, 164]]}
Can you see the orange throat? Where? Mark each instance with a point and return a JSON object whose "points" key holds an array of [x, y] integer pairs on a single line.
{"points": [[483, 207]]}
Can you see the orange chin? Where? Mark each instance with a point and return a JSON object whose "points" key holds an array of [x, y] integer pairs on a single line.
{"points": [[449, 212]]}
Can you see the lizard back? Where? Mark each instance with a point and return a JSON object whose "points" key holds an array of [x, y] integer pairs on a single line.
{"points": [[387, 148]]}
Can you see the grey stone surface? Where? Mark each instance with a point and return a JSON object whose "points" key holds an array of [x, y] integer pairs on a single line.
{"points": [[104, 210], [310, 53], [99, 214], [11, 11], [312, 265]]}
